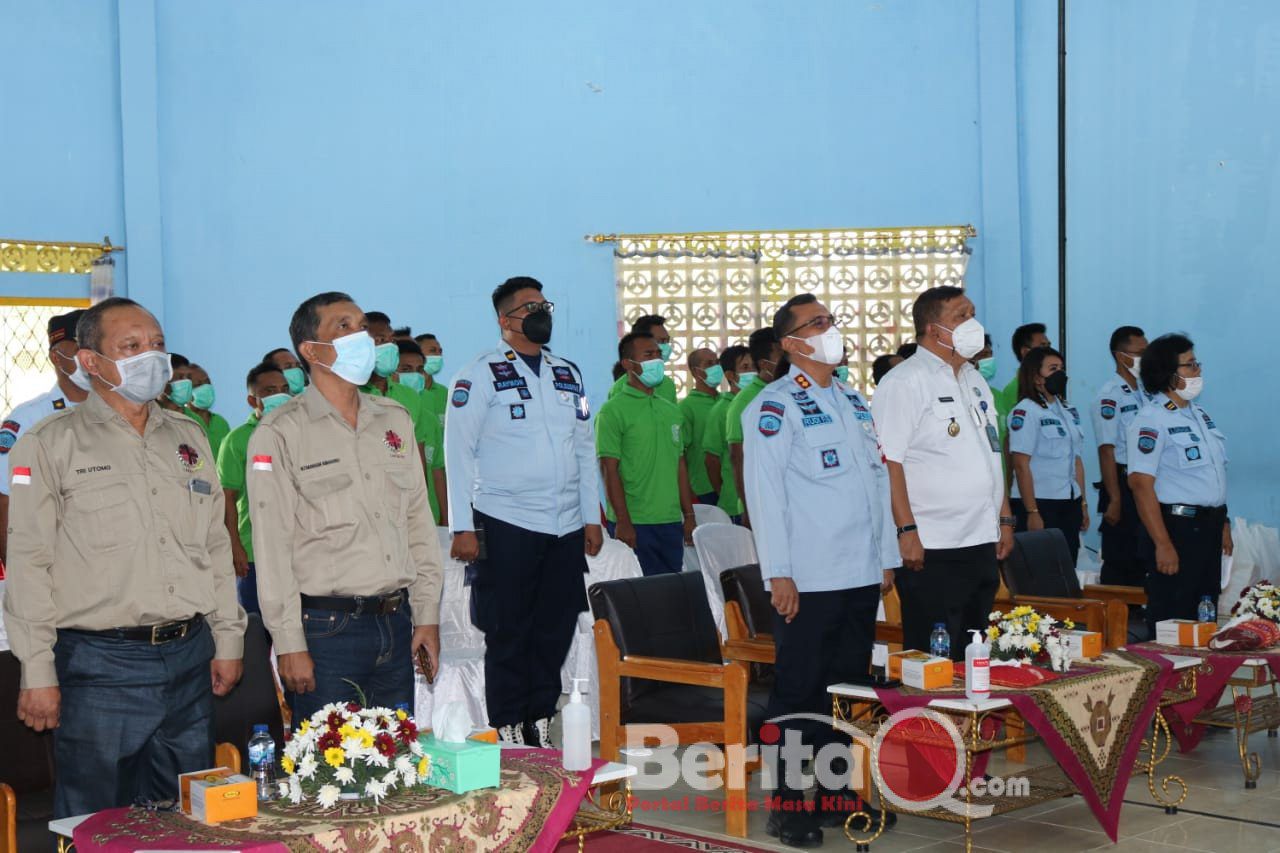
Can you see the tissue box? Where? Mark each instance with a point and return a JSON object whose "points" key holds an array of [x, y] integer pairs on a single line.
{"points": [[1185, 632], [462, 767], [1082, 644], [218, 794], [920, 670]]}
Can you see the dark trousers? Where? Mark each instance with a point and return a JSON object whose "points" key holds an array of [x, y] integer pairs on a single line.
{"points": [[134, 716], [526, 595], [1198, 541], [956, 587], [659, 547], [828, 641], [1122, 559], [710, 498], [371, 650], [247, 591], [1065, 514]]}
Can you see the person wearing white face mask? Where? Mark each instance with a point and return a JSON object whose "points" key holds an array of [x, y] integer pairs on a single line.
{"points": [[70, 388], [345, 549], [937, 424], [121, 600], [819, 497], [1115, 407], [1178, 473]]}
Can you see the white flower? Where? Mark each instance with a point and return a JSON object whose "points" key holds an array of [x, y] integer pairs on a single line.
{"points": [[295, 790], [404, 764], [308, 766], [389, 778], [328, 795], [283, 786], [415, 748], [375, 789], [344, 775], [410, 778]]}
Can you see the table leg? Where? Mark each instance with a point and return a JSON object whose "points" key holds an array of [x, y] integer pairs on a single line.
{"points": [[1250, 763], [1160, 726]]}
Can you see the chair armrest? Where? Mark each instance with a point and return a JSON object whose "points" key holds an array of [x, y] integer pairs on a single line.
{"points": [[675, 671], [754, 650], [1090, 613], [1127, 594]]}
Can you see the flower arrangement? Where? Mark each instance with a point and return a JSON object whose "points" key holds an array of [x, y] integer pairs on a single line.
{"points": [[1024, 636], [1258, 601], [347, 750]]}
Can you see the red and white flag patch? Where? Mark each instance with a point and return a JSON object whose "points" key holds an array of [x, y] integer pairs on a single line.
{"points": [[262, 463], [21, 477]]}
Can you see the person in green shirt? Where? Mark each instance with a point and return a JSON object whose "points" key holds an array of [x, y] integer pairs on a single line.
{"points": [[641, 445], [410, 375], [289, 365], [767, 357], [434, 392], [199, 409], [738, 369], [695, 409], [267, 388], [654, 326], [1025, 338]]}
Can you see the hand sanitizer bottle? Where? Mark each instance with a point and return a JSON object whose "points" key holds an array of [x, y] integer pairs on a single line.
{"points": [[977, 668], [576, 719]]}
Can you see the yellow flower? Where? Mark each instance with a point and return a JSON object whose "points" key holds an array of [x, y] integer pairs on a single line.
{"points": [[401, 715], [424, 767], [304, 727], [347, 731], [366, 738], [287, 763], [1069, 625], [1035, 647], [334, 756], [993, 632]]}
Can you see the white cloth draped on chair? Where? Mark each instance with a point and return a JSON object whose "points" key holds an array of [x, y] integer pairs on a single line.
{"points": [[721, 547]]}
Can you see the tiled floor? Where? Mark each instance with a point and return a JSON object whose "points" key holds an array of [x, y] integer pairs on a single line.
{"points": [[1218, 815]]}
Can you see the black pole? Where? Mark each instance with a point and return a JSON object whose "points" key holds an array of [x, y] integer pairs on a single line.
{"points": [[1062, 177]]}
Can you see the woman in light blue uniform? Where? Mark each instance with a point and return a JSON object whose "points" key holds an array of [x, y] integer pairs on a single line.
{"points": [[1046, 446]]}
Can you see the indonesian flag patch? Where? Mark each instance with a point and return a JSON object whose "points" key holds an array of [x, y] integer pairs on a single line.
{"points": [[21, 477], [262, 463]]}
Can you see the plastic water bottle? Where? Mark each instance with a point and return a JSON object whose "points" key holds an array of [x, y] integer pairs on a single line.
{"points": [[1207, 611], [262, 761], [940, 641]]}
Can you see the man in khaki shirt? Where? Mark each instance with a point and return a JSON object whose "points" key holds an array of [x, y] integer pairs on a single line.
{"points": [[349, 571], [121, 601]]}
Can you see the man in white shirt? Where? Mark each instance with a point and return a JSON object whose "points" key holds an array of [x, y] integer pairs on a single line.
{"points": [[937, 423]]}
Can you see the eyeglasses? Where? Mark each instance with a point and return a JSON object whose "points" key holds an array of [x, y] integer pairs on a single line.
{"points": [[821, 323], [534, 307], [1192, 365]]}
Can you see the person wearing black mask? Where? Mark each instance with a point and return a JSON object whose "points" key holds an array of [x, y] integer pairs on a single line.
{"points": [[1046, 445]]}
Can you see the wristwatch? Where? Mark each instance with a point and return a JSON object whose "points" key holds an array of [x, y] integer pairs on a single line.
{"points": [[1008, 521], [906, 528]]}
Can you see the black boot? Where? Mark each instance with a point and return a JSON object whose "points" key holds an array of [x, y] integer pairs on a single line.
{"points": [[798, 828], [834, 808]]}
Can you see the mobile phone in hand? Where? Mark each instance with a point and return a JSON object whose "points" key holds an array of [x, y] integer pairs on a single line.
{"points": [[424, 664]]}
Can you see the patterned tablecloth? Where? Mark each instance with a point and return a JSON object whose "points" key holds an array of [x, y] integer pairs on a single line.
{"points": [[530, 811], [1211, 680], [1092, 721]]}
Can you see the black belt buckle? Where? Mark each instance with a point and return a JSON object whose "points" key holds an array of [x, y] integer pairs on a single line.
{"points": [[158, 630]]}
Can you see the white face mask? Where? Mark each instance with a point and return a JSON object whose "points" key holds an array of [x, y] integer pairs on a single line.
{"points": [[1191, 388], [968, 338], [143, 377], [78, 377], [1137, 363], [828, 347]]}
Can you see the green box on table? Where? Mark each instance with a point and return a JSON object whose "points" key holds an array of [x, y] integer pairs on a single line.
{"points": [[462, 767]]}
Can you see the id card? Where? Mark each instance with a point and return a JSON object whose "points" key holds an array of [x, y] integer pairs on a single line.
{"points": [[994, 438]]}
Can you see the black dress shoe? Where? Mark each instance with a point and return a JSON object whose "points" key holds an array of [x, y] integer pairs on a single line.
{"points": [[794, 829], [834, 809]]}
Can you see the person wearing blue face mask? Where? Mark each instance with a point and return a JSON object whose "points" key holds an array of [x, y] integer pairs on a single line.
{"points": [[435, 393], [695, 409], [654, 326], [344, 544], [410, 374], [641, 443], [199, 407], [289, 365], [268, 390]]}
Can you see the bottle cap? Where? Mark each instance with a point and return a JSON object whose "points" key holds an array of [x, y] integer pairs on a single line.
{"points": [[259, 727]]}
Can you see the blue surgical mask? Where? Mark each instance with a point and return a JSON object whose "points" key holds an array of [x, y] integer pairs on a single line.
{"points": [[180, 391], [665, 349], [202, 397], [715, 375], [434, 364], [356, 356], [652, 372], [386, 359], [297, 379], [273, 401], [842, 372], [414, 381], [746, 378], [987, 367]]}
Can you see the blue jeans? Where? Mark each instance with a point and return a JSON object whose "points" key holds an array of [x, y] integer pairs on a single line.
{"points": [[247, 590], [659, 547], [370, 650], [134, 716]]}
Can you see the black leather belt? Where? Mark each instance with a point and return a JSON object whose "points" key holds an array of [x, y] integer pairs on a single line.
{"points": [[1192, 511], [156, 635], [360, 605]]}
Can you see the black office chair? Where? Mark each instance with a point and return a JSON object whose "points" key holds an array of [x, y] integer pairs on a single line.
{"points": [[254, 700], [1040, 564]]}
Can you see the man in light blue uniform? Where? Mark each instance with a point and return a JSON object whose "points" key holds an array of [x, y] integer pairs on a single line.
{"points": [[524, 508], [818, 489], [1178, 473], [1117, 404]]}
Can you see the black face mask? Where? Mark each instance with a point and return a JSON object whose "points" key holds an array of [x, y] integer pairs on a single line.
{"points": [[537, 327], [1056, 383]]}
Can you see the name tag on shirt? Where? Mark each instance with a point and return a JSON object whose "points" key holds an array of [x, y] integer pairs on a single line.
{"points": [[993, 438], [201, 487]]}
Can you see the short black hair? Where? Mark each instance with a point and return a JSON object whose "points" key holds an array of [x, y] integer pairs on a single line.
{"points": [[986, 340], [409, 348], [425, 336], [618, 371], [908, 349], [1160, 361], [177, 360], [305, 324], [376, 317], [502, 293], [928, 306], [784, 317], [729, 358], [624, 345], [1123, 335], [258, 371], [267, 358], [1022, 337], [89, 328], [1029, 369], [760, 344], [882, 365], [644, 325], [402, 332]]}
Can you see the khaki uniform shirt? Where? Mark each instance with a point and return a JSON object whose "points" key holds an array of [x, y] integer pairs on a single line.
{"points": [[338, 511], [112, 529]]}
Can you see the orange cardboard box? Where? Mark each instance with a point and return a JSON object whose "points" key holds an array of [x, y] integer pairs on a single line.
{"points": [[484, 735], [1083, 644], [896, 658], [927, 674], [1185, 632], [217, 794]]}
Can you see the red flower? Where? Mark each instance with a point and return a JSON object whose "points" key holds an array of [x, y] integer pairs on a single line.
{"points": [[353, 707], [334, 721], [407, 732], [385, 744], [329, 740]]}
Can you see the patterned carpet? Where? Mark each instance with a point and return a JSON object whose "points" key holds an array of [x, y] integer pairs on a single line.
{"points": [[638, 838]]}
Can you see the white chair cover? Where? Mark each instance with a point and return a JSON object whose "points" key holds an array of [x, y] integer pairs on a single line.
{"points": [[720, 547], [709, 514]]}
